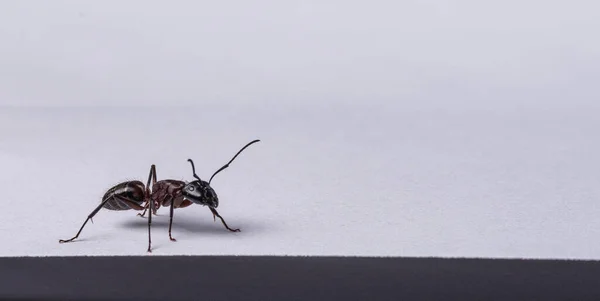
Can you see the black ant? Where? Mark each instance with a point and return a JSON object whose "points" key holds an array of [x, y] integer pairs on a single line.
{"points": [[173, 193]]}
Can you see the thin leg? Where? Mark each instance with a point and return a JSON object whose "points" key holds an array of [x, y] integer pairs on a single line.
{"points": [[171, 219], [89, 218], [152, 175], [149, 224], [149, 200], [143, 213], [215, 213], [146, 209]]}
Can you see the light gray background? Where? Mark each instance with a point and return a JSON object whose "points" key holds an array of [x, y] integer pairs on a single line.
{"points": [[388, 128], [448, 53]]}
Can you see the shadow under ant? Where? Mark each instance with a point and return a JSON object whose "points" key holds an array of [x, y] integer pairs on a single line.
{"points": [[197, 225]]}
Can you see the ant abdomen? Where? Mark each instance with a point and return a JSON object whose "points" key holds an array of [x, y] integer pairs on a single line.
{"points": [[125, 196]]}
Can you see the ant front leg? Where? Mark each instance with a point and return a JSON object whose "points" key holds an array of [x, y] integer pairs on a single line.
{"points": [[215, 213]]}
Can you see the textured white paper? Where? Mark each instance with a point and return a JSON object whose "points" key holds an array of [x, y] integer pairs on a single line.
{"points": [[342, 181]]}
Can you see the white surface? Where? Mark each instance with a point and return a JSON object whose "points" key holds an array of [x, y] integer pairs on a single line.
{"points": [[340, 181], [480, 137]]}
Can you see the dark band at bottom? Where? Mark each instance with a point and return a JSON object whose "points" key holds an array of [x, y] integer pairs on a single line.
{"points": [[295, 278]]}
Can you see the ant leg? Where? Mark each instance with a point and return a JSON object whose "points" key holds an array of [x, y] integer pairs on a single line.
{"points": [[146, 209], [215, 213], [88, 218], [143, 213], [152, 176], [149, 235], [171, 219]]}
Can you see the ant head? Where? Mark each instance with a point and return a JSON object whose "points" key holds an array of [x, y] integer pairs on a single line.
{"points": [[200, 192]]}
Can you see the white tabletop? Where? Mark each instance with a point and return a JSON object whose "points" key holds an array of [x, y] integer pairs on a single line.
{"points": [[349, 181]]}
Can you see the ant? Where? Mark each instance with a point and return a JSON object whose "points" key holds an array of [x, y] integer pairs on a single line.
{"points": [[168, 193]]}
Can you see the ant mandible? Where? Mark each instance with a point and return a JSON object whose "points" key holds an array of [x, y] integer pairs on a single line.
{"points": [[172, 193]]}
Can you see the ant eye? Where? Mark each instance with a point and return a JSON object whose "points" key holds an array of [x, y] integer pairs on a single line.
{"points": [[191, 188]]}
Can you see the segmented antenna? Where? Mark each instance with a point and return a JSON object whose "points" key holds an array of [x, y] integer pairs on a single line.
{"points": [[227, 165], [194, 170]]}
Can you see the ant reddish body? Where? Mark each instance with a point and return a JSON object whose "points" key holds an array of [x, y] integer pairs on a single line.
{"points": [[168, 193]]}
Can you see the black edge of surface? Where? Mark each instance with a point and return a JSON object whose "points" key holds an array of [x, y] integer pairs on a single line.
{"points": [[295, 278]]}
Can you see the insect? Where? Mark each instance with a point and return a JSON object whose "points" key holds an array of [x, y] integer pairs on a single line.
{"points": [[168, 193]]}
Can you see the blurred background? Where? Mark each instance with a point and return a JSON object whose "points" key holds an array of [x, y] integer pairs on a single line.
{"points": [[459, 53]]}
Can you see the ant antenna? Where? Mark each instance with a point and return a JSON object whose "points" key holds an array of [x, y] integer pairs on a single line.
{"points": [[227, 165], [194, 170]]}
